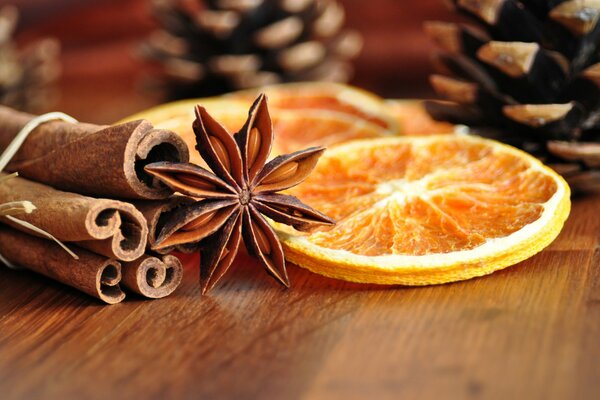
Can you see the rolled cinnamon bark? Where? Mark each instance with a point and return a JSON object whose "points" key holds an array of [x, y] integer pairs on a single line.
{"points": [[156, 213], [92, 274], [108, 227], [92, 159], [153, 277]]}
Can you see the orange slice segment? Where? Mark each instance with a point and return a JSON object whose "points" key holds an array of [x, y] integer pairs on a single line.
{"points": [[426, 210]]}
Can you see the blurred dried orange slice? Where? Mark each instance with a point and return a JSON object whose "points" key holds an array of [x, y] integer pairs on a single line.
{"points": [[414, 120], [326, 96], [334, 114]]}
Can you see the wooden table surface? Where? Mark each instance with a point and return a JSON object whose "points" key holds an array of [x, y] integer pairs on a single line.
{"points": [[531, 331]]}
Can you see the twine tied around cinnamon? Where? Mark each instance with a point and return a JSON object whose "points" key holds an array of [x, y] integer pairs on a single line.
{"points": [[16, 207]]}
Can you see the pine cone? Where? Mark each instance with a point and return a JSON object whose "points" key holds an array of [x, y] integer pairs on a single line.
{"points": [[528, 74], [216, 46], [26, 75]]}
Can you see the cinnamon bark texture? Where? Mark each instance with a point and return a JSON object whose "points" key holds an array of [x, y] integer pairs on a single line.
{"points": [[108, 227], [153, 277], [92, 274], [92, 159], [157, 213]]}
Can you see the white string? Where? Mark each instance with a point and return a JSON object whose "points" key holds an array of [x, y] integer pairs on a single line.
{"points": [[29, 127], [8, 263], [9, 153], [41, 232]]}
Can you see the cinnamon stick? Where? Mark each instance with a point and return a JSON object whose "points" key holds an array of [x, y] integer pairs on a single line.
{"points": [[111, 228], [156, 214], [92, 274], [153, 277], [92, 159]]}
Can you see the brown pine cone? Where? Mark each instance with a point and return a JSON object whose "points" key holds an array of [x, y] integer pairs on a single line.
{"points": [[216, 46]]}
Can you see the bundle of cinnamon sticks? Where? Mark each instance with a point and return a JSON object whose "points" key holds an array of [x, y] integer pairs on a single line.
{"points": [[90, 192]]}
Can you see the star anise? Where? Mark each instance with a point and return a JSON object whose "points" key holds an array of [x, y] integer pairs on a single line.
{"points": [[233, 198]]}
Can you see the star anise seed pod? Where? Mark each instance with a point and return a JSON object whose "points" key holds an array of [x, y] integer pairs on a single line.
{"points": [[233, 198]]}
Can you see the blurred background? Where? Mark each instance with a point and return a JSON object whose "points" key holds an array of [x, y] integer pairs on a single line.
{"points": [[100, 80]]}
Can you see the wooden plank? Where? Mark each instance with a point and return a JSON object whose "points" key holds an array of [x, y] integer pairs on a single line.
{"points": [[513, 335], [526, 332]]}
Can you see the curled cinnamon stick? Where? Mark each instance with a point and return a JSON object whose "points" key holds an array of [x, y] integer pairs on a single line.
{"points": [[156, 214], [92, 274], [108, 227], [153, 277], [92, 159]]}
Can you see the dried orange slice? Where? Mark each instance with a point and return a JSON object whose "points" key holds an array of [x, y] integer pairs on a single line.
{"points": [[333, 97], [296, 130], [321, 121], [415, 121], [426, 210]]}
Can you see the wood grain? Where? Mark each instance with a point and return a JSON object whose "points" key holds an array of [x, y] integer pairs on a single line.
{"points": [[530, 331]]}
